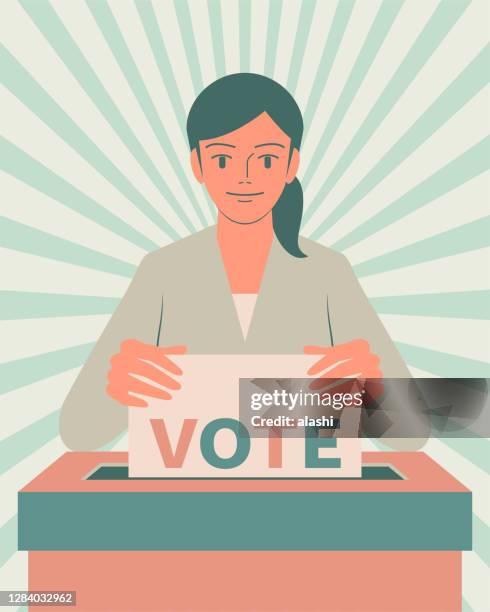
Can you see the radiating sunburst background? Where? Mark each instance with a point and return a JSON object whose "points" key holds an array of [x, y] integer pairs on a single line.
{"points": [[394, 162]]}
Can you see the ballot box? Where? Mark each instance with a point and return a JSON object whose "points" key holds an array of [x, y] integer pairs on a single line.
{"points": [[389, 540]]}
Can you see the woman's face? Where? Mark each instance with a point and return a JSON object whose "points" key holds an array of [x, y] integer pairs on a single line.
{"points": [[245, 171]]}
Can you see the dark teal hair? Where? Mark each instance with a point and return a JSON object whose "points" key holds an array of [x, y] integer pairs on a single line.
{"points": [[237, 99]]}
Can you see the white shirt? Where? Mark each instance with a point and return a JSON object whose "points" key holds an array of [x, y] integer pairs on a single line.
{"points": [[244, 305]]}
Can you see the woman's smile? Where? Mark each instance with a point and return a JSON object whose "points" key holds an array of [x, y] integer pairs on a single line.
{"points": [[249, 196], [244, 194]]}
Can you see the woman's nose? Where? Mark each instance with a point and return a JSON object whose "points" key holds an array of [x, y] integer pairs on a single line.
{"points": [[247, 177]]}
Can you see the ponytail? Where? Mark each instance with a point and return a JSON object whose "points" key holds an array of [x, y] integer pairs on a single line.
{"points": [[286, 218]]}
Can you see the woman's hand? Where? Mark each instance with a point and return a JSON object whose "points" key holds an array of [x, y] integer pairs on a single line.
{"points": [[353, 359], [350, 360], [148, 361]]}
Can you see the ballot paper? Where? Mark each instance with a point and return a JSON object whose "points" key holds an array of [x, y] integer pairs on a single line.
{"points": [[195, 434]]}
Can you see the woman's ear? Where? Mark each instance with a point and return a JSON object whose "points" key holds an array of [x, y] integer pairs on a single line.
{"points": [[196, 166], [293, 166]]}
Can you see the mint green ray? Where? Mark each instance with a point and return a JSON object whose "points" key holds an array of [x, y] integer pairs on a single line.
{"points": [[330, 49], [465, 606], [458, 171], [8, 540], [187, 35], [441, 364], [21, 84], [440, 23], [216, 25], [382, 23], [28, 370], [22, 166], [474, 449], [50, 25], [273, 24], [481, 539], [468, 237], [28, 440], [33, 305], [192, 55], [301, 37], [150, 25], [160, 54], [459, 304], [244, 29], [466, 85], [112, 34], [20, 237], [31, 438]]}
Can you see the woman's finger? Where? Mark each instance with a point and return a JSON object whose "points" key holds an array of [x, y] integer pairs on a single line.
{"points": [[154, 374], [134, 385], [155, 354], [367, 368], [354, 361], [325, 363], [125, 399], [352, 347]]}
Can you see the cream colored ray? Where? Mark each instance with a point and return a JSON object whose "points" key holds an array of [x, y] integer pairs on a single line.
{"points": [[31, 207], [320, 27], [465, 337], [31, 49], [258, 35], [20, 474], [122, 444], [40, 142], [476, 577], [30, 403], [13, 575], [470, 269], [137, 41], [418, 373], [357, 28], [475, 479], [368, 445], [410, 21], [86, 33], [459, 206], [169, 27], [230, 17], [26, 337], [25, 272], [285, 43], [204, 42], [472, 477], [133, 32], [452, 56], [458, 135]]}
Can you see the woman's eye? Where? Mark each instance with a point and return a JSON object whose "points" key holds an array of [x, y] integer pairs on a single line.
{"points": [[267, 161], [222, 161]]}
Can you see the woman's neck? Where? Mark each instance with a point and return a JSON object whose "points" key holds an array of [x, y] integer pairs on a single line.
{"points": [[244, 249]]}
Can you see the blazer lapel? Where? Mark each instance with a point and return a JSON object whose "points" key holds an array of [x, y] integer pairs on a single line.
{"points": [[214, 328], [219, 329], [266, 327]]}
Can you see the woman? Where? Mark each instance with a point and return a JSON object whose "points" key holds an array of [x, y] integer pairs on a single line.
{"points": [[246, 285]]}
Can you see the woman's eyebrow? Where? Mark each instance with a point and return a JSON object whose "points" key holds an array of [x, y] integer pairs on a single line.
{"points": [[219, 144], [270, 144]]}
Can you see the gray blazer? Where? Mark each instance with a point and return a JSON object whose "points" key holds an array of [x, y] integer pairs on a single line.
{"points": [[181, 295]]}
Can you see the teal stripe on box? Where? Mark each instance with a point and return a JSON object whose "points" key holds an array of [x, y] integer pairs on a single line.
{"points": [[245, 521]]}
